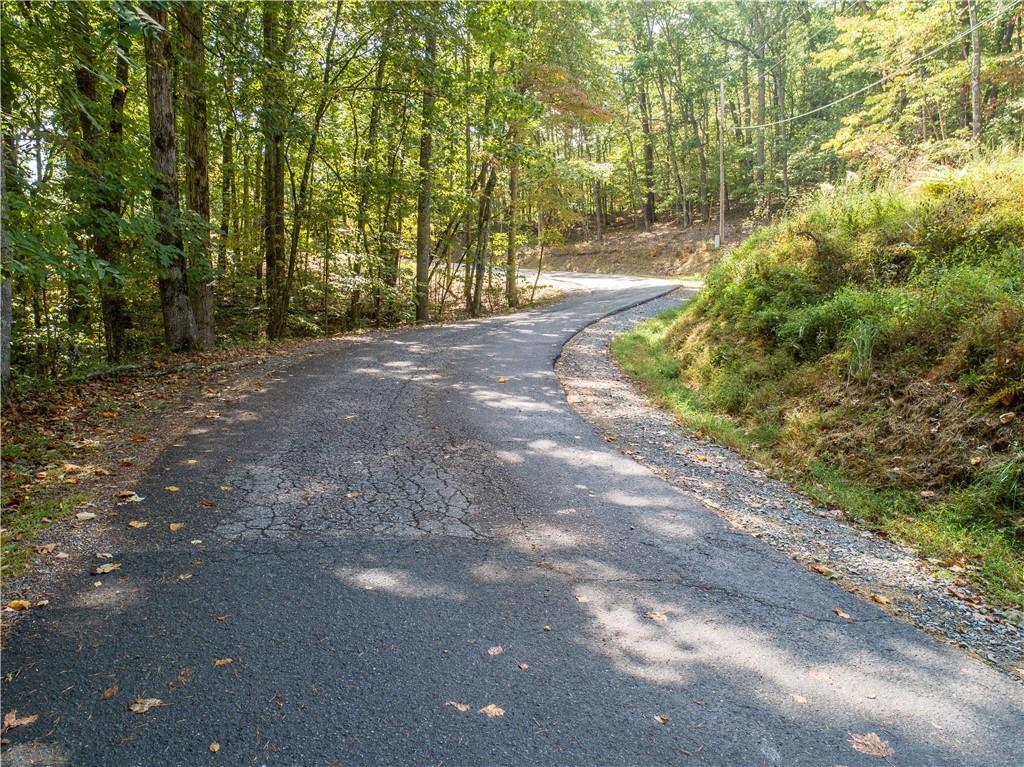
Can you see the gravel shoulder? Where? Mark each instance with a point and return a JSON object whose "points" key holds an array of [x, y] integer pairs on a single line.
{"points": [[891, 576]]}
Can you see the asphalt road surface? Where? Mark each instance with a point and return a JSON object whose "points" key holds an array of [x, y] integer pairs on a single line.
{"points": [[414, 523]]}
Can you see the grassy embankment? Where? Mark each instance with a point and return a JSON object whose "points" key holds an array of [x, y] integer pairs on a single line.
{"points": [[870, 348]]}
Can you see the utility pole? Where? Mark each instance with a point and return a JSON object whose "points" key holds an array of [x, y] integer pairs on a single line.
{"points": [[721, 163]]}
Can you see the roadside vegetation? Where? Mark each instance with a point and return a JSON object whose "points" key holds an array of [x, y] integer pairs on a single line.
{"points": [[870, 347]]}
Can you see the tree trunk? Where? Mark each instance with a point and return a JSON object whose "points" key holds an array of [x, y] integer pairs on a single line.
{"points": [[197, 167], [511, 273], [423, 209], [705, 200], [972, 16], [179, 321], [273, 119], [483, 228], [6, 293], [780, 96], [666, 107], [760, 121], [645, 123], [228, 206]]}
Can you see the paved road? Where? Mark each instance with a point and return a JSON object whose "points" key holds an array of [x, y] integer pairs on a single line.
{"points": [[397, 511]]}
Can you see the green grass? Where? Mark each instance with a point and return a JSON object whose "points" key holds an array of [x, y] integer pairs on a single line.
{"points": [[864, 347]]}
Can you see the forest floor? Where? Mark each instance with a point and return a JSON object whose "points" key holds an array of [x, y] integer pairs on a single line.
{"points": [[665, 250], [413, 531]]}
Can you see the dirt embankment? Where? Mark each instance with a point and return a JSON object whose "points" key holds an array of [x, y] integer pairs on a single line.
{"points": [[664, 250]]}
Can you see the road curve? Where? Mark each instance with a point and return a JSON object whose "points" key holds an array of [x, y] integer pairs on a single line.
{"points": [[414, 523]]}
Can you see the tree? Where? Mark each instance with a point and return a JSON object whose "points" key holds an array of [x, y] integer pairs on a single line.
{"points": [[423, 246], [180, 329], [197, 166]]}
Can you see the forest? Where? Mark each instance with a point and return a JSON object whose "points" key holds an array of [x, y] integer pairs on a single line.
{"points": [[186, 175]]}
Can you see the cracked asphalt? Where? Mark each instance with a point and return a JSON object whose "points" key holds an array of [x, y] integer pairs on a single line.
{"points": [[416, 519]]}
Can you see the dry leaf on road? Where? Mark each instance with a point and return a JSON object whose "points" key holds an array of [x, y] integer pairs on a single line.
{"points": [[19, 604], [841, 613], [221, 661], [524, 666], [662, 719], [496, 650], [463, 707], [104, 569], [143, 705], [871, 744], [492, 711], [214, 747], [176, 526], [85, 516], [110, 692], [657, 617], [11, 719], [138, 524]]}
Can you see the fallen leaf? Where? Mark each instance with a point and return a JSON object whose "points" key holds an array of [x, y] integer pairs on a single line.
{"points": [[841, 613], [871, 744], [104, 555], [463, 707], [870, 696], [176, 526], [214, 747], [46, 548], [206, 504], [138, 524], [582, 599], [191, 461], [226, 488], [184, 576], [172, 488], [196, 541], [502, 379], [881, 599], [185, 675], [138, 438], [143, 705], [102, 472], [657, 617], [662, 719], [42, 603], [496, 650], [547, 628], [821, 569], [492, 711], [798, 698], [72, 468], [84, 516], [221, 661], [352, 494], [110, 692], [133, 498], [19, 604], [61, 555], [11, 719], [524, 666], [223, 617], [107, 568]]}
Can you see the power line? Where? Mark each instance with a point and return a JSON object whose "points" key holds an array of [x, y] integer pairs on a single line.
{"points": [[903, 71]]}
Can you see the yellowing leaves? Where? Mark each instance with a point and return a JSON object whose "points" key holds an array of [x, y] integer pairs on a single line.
{"points": [[176, 526], [19, 604], [138, 524], [222, 661], [172, 488]]}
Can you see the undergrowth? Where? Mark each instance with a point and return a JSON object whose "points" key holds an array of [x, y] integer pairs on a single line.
{"points": [[870, 346]]}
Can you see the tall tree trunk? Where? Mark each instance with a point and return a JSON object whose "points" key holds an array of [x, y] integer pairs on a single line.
{"points": [[179, 321], [645, 124], [228, 206], [423, 209], [7, 158], [759, 151], [483, 228], [780, 96], [511, 265], [702, 156], [666, 108], [273, 119], [197, 167], [972, 16]]}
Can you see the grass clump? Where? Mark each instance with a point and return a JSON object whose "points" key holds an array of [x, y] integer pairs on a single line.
{"points": [[870, 345]]}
